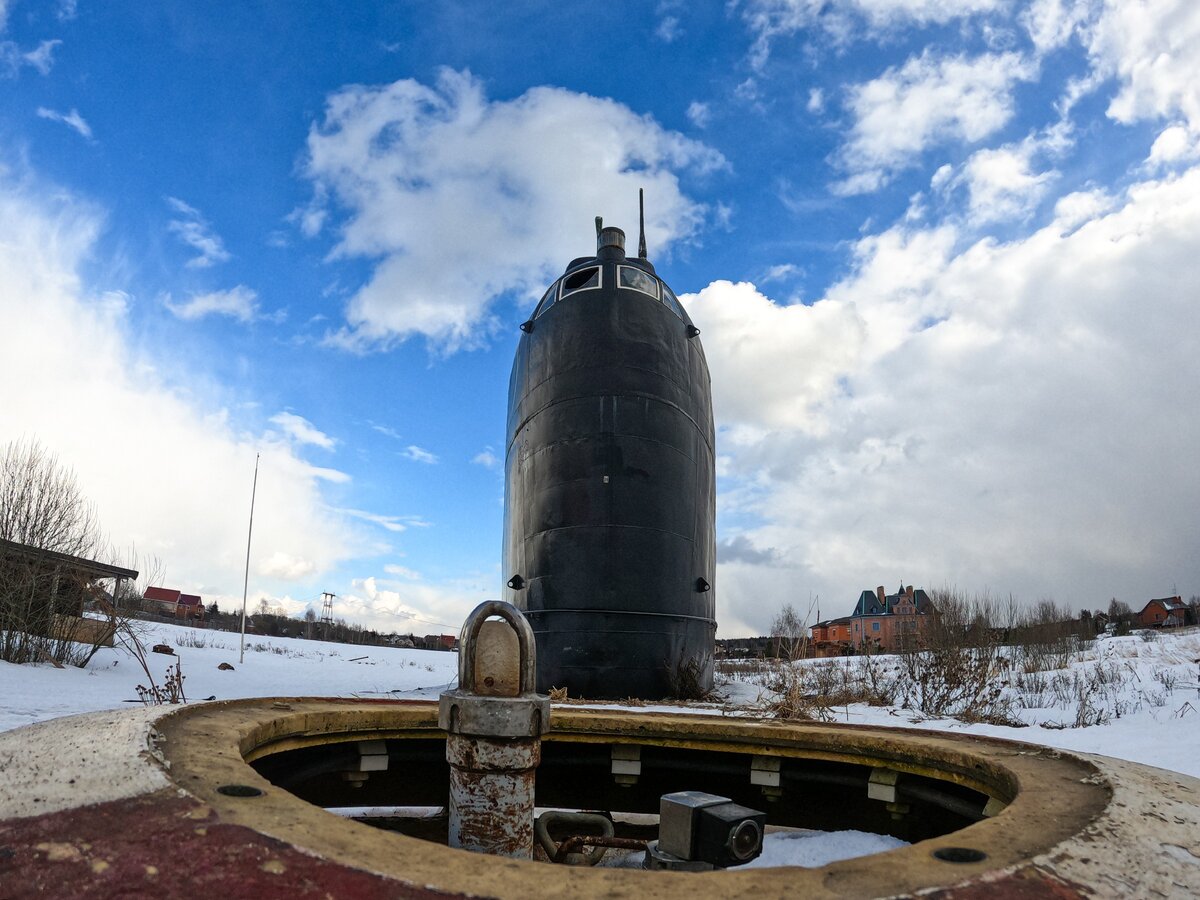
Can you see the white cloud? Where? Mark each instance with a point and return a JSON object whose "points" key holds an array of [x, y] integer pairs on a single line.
{"points": [[417, 454], [67, 10], [168, 469], [1153, 49], [669, 29], [402, 572], [72, 120], [1005, 415], [13, 58], [486, 458], [928, 100], [816, 101], [1072, 210], [747, 91], [418, 607], [770, 20], [1001, 185], [781, 272], [238, 302], [192, 229], [462, 199], [42, 58], [395, 524], [1150, 49], [1052, 23], [699, 114], [773, 366], [1174, 144], [385, 430], [285, 567], [302, 431]]}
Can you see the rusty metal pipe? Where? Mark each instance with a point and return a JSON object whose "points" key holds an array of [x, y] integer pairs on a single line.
{"points": [[491, 794], [577, 842], [493, 745]]}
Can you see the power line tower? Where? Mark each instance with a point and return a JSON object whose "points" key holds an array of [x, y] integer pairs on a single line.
{"points": [[326, 614]]}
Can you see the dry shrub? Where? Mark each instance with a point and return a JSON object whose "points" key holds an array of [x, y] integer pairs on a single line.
{"points": [[170, 692], [957, 669], [814, 690], [687, 681], [751, 670]]}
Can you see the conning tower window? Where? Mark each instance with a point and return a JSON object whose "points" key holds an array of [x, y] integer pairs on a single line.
{"points": [[583, 280], [673, 303], [547, 300], [638, 280]]}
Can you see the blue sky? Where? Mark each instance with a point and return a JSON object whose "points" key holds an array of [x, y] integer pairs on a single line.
{"points": [[942, 253]]}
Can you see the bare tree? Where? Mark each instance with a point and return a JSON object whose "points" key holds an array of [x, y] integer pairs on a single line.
{"points": [[41, 507], [41, 504], [790, 632]]}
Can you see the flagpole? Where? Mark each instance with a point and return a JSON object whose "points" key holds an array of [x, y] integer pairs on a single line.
{"points": [[246, 582]]}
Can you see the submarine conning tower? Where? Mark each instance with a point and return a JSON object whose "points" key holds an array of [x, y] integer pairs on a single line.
{"points": [[609, 544]]}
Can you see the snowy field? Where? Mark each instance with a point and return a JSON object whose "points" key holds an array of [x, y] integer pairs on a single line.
{"points": [[1144, 694], [1134, 698], [272, 667]]}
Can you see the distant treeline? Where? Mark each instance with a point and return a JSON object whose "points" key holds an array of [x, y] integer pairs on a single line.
{"points": [[1003, 623], [275, 624]]}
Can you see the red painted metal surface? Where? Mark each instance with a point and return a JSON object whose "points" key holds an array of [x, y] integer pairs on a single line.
{"points": [[1033, 883], [166, 847]]}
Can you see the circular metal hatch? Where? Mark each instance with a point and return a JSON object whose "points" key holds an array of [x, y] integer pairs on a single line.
{"points": [[1056, 824]]}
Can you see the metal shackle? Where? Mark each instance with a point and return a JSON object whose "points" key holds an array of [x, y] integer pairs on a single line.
{"points": [[469, 635]]}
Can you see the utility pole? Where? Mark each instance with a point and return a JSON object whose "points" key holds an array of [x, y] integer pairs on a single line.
{"points": [[246, 581], [326, 613]]}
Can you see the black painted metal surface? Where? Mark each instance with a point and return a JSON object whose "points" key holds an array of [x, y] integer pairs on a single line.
{"points": [[610, 485]]}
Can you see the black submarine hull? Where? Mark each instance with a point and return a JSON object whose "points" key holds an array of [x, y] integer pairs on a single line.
{"points": [[610, 489]]}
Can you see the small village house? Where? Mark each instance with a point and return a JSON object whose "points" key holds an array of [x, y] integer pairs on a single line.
{"points": [[1167, 612], [173, 603], [880, 622]]}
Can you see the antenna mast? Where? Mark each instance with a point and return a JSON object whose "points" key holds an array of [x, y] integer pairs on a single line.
{"points": [[641, 223]]}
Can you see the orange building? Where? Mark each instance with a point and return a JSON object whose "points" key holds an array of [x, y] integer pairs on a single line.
{"points": [[170, 602], [880, 622], [1167, 612]]}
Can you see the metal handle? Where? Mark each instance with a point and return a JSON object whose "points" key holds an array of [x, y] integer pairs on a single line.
{"points": [[470, 631]]}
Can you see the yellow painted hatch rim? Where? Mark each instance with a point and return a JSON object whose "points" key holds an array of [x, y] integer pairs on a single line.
{"points": [[1050, 796]]}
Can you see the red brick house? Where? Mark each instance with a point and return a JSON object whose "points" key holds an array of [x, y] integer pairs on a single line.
{"points": [[170, 602], [880, 621], [1168, 612]]}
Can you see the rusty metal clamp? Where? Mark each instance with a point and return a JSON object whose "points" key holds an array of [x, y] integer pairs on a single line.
{"points": [[467, 642], [467, 711], [575, 820]]}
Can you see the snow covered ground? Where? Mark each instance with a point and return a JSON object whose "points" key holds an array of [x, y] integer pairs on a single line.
{"points": [[273, 667], [1142, 694], [1145, 692]]}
